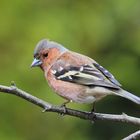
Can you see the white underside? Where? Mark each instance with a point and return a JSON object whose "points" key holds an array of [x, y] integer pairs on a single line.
{"points": [[92, 94]]}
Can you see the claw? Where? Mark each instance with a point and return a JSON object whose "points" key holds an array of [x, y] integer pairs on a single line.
{"points": [[92, 114], [64, 111], [63, 106]]}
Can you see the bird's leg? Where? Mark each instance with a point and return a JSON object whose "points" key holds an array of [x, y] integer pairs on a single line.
{"points": [[64, 105], [93, 108], [92, 112]]}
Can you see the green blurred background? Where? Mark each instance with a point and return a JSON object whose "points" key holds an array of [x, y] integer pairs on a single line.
{"points": [[108, 31]]}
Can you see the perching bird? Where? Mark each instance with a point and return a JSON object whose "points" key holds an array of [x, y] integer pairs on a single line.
{"points": [[74, 76]]}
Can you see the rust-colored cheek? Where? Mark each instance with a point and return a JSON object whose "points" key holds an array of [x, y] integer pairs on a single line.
{"points": [[53, 54]]}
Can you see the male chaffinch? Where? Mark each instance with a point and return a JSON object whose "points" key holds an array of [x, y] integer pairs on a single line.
{"points": [[74, 76]]}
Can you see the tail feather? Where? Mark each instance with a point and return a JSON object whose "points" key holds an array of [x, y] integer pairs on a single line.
{"points": [[130, 96]]}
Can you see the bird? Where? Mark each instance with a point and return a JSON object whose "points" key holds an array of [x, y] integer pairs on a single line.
{"points": [[76, 77]]}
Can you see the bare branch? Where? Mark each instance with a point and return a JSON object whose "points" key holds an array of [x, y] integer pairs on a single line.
{"points": [[71, 112], [133, 136], [81, 114]]}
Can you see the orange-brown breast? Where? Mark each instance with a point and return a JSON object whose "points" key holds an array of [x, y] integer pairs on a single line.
{"points": [[68, 90]]}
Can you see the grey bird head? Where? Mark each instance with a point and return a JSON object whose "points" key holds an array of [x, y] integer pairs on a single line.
{"points": [[42, 48]]}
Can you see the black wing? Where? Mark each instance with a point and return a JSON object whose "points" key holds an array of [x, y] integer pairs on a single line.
{"points": [[88, 75], [107, 74]]}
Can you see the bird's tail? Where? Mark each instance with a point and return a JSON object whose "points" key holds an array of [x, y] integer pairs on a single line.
{"points": [[130, 96]]}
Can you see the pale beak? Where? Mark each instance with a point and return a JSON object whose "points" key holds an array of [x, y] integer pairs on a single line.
{"points": [[36, 62]]}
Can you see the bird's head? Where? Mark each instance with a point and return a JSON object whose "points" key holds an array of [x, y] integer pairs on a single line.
{"points": [[46, 52]]}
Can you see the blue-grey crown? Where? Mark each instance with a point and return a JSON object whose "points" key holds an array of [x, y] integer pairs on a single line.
{"points": [[46, 44]]}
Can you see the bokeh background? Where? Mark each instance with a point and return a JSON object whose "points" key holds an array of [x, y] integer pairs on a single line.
{"points": [[108, 31]]}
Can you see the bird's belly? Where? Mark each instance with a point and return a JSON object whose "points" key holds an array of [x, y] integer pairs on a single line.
{"points": [[75, 95], [74, 92]]}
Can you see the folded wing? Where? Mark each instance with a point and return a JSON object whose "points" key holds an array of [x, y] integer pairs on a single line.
{"points": [[88, 75]]}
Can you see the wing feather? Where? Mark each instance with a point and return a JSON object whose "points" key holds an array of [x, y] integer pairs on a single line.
{"points": [[88, 75]]}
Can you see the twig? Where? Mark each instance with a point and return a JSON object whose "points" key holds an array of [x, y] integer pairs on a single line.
{"points": [[67, 111], [133, 136]]}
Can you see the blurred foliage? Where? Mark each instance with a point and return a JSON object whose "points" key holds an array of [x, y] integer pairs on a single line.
{"points": [[108, 31]]}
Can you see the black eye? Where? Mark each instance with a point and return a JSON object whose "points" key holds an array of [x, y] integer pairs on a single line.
{"points": [[45, 55]]}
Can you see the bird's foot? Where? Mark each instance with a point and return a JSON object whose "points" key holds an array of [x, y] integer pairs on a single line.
{"points": [[92, 113], [64, 109], [92, 116]]}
